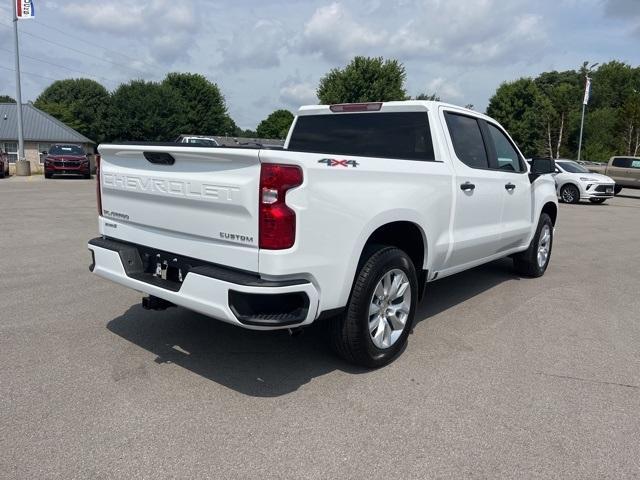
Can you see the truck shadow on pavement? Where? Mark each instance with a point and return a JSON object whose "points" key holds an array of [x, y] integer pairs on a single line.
{"points": [[271, 364]]}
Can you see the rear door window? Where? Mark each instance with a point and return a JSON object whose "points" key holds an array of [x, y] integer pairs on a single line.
{"points": [[401, 135], [467, 140]]}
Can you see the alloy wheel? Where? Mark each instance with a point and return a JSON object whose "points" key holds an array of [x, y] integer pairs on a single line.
{"points": [[544, 246], [389, 308]]}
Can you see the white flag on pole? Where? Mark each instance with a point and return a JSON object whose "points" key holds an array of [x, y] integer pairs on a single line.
{"points": [[587, 91], [25, 9]]}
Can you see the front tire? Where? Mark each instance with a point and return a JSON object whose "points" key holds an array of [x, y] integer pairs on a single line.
{"points": [[380, 311], [570, 194], [47, 175], [533, 262], [597, 200], [617, 189]]}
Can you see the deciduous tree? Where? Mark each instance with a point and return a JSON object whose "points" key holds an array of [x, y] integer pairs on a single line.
{"points": [[365, 79], [275, 125], [205, 107], [80, 103]]}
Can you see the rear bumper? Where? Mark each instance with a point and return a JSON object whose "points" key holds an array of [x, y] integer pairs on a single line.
{"points": [[240, 298]]}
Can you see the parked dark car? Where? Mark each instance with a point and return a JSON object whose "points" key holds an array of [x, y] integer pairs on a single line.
{"points": [[4, 164], [66, 160]]}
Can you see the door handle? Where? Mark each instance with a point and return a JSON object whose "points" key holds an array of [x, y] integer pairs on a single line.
{"points": [[467, 186], [510, 187]]}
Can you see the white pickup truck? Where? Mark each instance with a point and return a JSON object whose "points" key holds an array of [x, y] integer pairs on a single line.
{"points": [[366, 204]]}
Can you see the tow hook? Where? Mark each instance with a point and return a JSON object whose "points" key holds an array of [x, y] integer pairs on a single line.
{"points": [[155, 303], [295, 332]]}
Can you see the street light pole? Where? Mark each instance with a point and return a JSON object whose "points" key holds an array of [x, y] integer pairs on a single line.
{"points": [[22, 166]]}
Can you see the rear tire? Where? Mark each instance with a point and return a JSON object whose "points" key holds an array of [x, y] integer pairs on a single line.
{"points": [[380, 311], [570, 194], [534, 261], [597, 200]]}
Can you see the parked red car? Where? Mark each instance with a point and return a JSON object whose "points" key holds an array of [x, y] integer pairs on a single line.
{"points": [[66, 160], [4, 164]]}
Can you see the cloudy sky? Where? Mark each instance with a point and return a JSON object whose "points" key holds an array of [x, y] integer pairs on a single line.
{"points": [[268, 54]]}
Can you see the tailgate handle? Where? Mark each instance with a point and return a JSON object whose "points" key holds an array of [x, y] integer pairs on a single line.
{"points": [[160, 158]]}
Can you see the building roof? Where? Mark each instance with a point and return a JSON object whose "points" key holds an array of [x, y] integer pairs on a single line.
{"points": [[38, 126]]}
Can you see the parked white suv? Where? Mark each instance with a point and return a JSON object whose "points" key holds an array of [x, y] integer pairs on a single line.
{"points": [[365, 205], [198, 140], [575, 182]]}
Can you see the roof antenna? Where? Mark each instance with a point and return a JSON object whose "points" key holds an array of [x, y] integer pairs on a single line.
{"points": [[5, 116]]}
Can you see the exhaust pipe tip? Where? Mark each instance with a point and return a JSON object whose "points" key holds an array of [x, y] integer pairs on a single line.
{"points": [[155, 303]]}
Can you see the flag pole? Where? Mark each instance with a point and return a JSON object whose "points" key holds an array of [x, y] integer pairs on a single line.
{"points": [[22, 166], [581, 129]]}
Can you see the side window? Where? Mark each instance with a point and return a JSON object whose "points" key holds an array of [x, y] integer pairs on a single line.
{"points": [[635, 163], [467, 140], [621, 162], [507, 156]]}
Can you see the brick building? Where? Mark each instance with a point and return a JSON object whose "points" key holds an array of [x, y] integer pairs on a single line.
{"points": [[41, 131]]}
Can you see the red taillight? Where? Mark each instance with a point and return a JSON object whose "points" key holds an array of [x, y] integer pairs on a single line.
{"points": [[98, 192], [277, 221], [356, 107]]}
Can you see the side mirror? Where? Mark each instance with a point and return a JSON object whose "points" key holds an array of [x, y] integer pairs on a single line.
{"points": [[44, 152], [541, 166]]}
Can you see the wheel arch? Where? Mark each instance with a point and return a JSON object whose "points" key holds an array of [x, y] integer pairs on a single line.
{"points": [[406, 235], [569, 183], [551, 209]]}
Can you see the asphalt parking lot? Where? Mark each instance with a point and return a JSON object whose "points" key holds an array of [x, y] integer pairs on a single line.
{"points": [[504, 377]]}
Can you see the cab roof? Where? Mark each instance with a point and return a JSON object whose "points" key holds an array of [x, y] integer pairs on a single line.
{"points": [[367, 107]]}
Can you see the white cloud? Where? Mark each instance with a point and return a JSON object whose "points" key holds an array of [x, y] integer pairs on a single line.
{"points": [[333, 33], [166, 27], [294, 93], [255, 46], [445, 89], [484, 31]]}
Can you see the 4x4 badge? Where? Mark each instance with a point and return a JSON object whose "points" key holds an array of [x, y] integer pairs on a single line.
{"points": [[333, 162]]}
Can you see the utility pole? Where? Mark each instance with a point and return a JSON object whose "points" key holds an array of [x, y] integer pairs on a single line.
{"points": [[585, 101], [23, 167]]}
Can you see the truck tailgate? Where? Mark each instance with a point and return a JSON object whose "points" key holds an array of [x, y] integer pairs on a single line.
{"points": [[197, 202]]}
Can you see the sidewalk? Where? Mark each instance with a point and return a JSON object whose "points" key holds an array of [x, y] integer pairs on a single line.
{"points": [[36, 177]]}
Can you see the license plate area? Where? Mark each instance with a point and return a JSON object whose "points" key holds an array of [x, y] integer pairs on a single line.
{"points": [[156, 267], [165, 267]]}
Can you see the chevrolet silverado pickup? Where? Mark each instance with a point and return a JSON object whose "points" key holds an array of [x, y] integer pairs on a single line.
{"points": [[625, 171], [364, 206]]}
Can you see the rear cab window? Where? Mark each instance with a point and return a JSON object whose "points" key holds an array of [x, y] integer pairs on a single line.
{"points": [[393, 135], [621, 162]]}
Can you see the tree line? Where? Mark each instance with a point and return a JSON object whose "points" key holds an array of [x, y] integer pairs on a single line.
{"points": [[542, 113]]}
